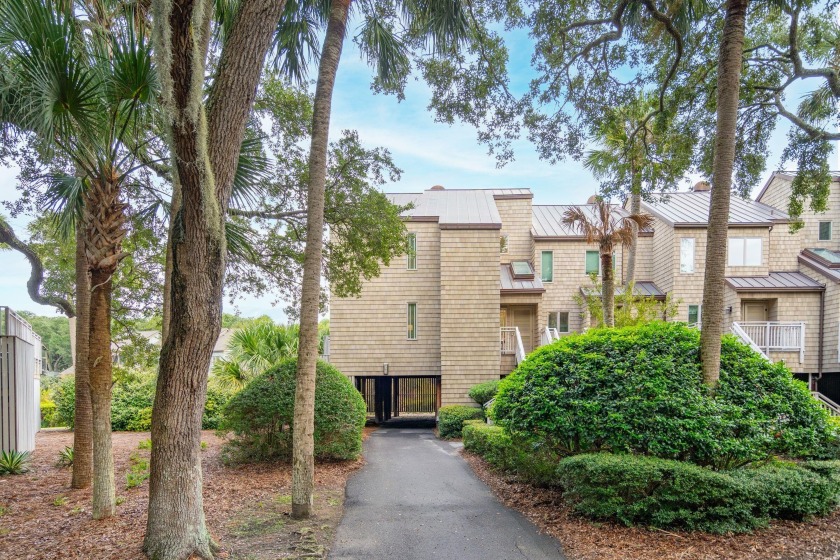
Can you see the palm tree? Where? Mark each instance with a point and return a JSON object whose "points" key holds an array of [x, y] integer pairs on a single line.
{"points": [[82, 91], [607, 230], [253, 350], [728, 93]]}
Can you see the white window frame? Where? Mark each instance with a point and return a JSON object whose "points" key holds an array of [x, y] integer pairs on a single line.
{"points": [[699, 307], [542, 272], [556, 315], [411, 257], [830, 230], [412, 335], [687, 267], [739, 256]]}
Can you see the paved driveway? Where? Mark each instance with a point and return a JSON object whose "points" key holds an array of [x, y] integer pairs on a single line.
{"points": [[417, 499]]}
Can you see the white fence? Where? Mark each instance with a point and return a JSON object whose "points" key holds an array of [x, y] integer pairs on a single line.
{"points": [[20, 381], [776, 336]]}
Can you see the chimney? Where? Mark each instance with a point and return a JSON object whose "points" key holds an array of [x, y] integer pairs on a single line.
{"points": [[437, 188], [592, 199], [701, 186]]}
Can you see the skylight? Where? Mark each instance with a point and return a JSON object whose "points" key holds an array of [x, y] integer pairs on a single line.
{"points": [[521, 269]]}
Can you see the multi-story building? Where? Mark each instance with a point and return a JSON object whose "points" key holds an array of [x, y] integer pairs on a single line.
{"points": [[490, 276]]}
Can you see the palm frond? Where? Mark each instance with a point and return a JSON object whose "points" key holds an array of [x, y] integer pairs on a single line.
{"points": [[64, 198], [295, 46], [253, 168], [239, 244], [385, 50]]}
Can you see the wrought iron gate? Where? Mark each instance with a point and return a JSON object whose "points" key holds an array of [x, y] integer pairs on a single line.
{"points": [[387, 397]]}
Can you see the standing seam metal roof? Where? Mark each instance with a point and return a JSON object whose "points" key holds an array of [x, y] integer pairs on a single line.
{"points": [[509, 284], [775, 281], [452, 207], [692, 209], [547, 220]]}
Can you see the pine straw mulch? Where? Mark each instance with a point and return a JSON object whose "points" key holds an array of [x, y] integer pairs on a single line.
{"points": [[818, 539], [247, 507]]}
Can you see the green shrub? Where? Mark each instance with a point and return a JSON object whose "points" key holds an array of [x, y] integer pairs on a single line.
{"points": [[217, 398], [828, 469], [48, 414], [14, 462], [484, 392], [790, 491], [451, 419], [532, 464], [64, 396], [636, 490], [260, 416], [640, 390]]}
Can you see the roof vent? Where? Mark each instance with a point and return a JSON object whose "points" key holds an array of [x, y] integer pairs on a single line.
{"points": [[701, 186], [592, 199], [437, 188]]}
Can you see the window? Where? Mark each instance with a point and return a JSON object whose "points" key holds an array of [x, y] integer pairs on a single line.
{"points": [[521, 270], [412, 321], [825, 231], [687, 254], [694, 314], [559, 320], [547, 269], [745, 251], [593, 262], [503, 243], [412, 251]]}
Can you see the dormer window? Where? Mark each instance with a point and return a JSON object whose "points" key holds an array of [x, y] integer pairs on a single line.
{"points": [[521, 270]]}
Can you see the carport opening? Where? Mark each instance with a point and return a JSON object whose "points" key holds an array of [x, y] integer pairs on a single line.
{"points": [[400, 398]]}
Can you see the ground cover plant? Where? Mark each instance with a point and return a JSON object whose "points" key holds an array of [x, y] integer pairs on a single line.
{"points": [[260, 416]]}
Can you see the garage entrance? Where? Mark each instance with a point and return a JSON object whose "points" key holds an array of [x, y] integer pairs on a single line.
{"points": [[388, 397]]}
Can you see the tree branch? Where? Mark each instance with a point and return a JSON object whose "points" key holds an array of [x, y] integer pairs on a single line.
{"points": [[36, 278]]}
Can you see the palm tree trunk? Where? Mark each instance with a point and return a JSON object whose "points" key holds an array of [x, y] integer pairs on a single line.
{"points": [[608, 288], [104, 492], [303, 463], [728, 92], [635, 208], [83, 421]]}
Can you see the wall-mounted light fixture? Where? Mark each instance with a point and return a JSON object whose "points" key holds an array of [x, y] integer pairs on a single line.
{"points": [[385, 368], [729, 309]]}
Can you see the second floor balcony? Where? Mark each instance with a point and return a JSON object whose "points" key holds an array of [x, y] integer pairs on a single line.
{"points": [[769, 337]]}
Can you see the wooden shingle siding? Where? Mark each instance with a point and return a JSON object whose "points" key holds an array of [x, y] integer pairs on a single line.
{"points": [[370, 330], [469, 311], [516, 224]]}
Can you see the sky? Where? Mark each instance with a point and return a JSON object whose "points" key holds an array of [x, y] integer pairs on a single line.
{"points": [[429, 153]]}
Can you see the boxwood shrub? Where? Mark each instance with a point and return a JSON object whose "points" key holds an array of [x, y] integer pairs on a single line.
{"points": [[530, 462], [451, 419], [260, 415], [642, 490], [483, 392], [640, 390]]}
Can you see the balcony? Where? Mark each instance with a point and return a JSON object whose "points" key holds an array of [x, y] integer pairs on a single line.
{"points": [[773, 336]]}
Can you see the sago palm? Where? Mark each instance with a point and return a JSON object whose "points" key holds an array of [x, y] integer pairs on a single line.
{"points": [[83, 92], [609, 230]]}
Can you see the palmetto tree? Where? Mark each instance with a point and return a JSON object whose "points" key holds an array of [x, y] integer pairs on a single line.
{"points": [[609, 230], [82, 91], [253, 350]]}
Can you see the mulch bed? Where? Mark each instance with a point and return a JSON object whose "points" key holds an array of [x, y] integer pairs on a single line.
{"points": [[247, 507], [818, 539]]}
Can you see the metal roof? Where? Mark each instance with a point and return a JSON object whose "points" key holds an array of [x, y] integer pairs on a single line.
{"points": [[775, 282], [828, 272], [692, 209], [547, 221], [642, 288], [509, 284], [468, 208]]}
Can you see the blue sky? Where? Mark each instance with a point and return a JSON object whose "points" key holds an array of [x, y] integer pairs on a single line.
{"points": [[429, 153]]}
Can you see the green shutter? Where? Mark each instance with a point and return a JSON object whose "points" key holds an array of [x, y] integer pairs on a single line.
{"points": [[547, 268], [693, 314], [825, 231], [592, 262]]}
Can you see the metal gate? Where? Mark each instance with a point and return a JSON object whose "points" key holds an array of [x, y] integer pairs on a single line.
{"points": [[387, 397]]}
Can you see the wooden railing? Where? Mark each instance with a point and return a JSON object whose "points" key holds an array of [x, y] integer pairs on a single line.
{"points": [[775, 336], [548, 335], [832, 407], [511, 342]]}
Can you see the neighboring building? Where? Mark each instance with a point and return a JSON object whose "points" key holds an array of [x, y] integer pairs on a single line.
{"points": [[490, 276], [20, 382]]}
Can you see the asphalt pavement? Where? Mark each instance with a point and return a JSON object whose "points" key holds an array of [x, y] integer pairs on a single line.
{"points": [[416, 498]]}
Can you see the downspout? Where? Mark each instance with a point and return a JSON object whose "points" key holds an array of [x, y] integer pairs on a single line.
{"points": [[821, 344]]}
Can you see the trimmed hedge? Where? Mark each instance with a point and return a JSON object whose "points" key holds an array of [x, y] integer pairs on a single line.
{"points": [[484, 392], [451, 419], [638, 490], [533, 464], [260, 415], [639, 390]]}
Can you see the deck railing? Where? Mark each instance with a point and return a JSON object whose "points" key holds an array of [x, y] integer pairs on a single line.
{"points": [[832, 407], [511, 341], [775, 336], [548, 335]]}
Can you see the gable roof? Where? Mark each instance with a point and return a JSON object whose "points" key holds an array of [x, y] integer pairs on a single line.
{"points": [[451, 208], [547, 220], [789, 176], [691, 209]]}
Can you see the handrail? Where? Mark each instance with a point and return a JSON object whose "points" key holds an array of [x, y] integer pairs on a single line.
{"points": [[738, 331], [511, 343], [828, 404], [779, 336], [520, 349]]}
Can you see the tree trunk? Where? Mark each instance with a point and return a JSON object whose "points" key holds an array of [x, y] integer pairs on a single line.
{"points": [[83, 421], [303, 444], [728, 91], [608, 288], [204, 145], [104, 492], [635, 208]]}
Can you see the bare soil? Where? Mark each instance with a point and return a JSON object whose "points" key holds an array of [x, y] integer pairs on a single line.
{"points": [[818, 539], [248, 507]]}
